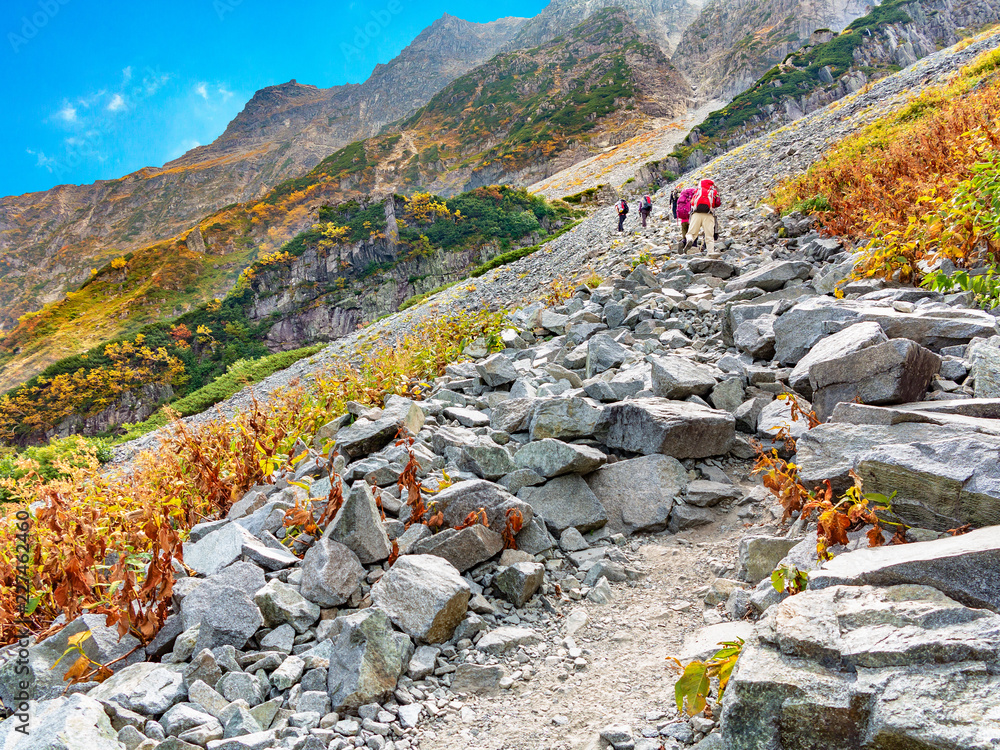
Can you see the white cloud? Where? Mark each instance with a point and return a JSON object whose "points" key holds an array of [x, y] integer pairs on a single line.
{"points": [[153, 81], [225, 93], [117, 102], [42, 161], [67, 113], [127, 73], [202, 90]]}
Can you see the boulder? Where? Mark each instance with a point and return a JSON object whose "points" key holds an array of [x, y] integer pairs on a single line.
{"points": [[462, 498], [603, 353], [565, 418], [550, 458], [496, 370], [678, 377], [512, 415], [759, 556], [224, 614], [985, 360], [852, 339], [892, 372], [424, 595], [486, 459], [707, 494], [674, 428], [772, 276], [566, 501], [147, 688], [504, 639], [358, 526], [756, 337], [684, 517], [280, 603], [860, 666], [366, 660], [965, 568], [728, 395], [940, 485], [463, 548], [638, 494], [215, 550], [331, 573], [367, 435], [76, 722], [519, 582]]}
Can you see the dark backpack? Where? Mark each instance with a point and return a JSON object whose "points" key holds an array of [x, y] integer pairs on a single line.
{"points": [[647, 203]]}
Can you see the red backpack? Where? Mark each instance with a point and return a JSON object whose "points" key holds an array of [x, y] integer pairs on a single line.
{"points": [[647, 202], [706, 199]]}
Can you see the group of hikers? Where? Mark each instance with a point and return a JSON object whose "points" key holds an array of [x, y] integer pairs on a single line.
{"points": [[694, 207]]}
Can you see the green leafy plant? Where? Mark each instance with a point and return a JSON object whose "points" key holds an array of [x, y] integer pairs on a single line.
{"points": [[695, 684], [985, 288], [788, 578]]}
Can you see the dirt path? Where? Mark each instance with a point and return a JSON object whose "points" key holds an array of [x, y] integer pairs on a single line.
{"points": [[625, 643]]}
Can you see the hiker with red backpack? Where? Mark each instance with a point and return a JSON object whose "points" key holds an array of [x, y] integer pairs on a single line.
{"points": [[706, 199], [622, 208], [645, 209]]}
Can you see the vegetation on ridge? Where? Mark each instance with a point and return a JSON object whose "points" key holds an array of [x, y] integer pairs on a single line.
{"points": [[919, 185]]}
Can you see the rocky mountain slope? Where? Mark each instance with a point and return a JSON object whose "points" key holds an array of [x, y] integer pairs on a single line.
{"points": [[520, 117], [733, 42], [664, 21], [617, 422], [894, 35], [49, 241]]}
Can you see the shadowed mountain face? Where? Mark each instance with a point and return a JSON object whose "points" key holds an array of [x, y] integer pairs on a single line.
{"points": [[733, 42], [50, 241]]}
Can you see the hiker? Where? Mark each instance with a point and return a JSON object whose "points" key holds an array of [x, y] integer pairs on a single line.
{"points": [[674, 195], [645, 209], [683, 211], [622, 207], [706, 199]]}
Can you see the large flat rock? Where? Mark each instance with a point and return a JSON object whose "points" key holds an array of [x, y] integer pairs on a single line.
{"points": [[965, 568], [639, 494], [674, 428]]}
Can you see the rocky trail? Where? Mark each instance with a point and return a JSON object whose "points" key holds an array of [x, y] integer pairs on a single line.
{"points": [[617, 424]]}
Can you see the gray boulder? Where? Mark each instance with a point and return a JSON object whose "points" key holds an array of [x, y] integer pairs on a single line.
{"points": [[707, 494], [486, 459], [280, 603], [474, 679], [566, 501], [424, 595], [965, 568], [215, 550], [985, 358], [224, 614], [519, 582], [330, 573], [903, 666], [603, 353], [496, 370], [638, 494], [366, 660], [678, 377], [674, 428], [684, 517], [772, 276], [852, 339], [358, 526], [564, 418], [756, 337], [893, 372], [940, 485], [462, 498], [367, 436], [147, 688], [550, 458], [759, 555], [463, 548], [512, 415], [76, 722], [728, 395]]}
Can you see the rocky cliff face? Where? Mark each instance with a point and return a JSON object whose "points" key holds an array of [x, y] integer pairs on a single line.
{"points": [[664, 21], [733, 42], [831, 67], [50, 240]]}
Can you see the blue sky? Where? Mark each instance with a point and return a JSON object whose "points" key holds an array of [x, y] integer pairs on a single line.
{"points": [[95, 89]]}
